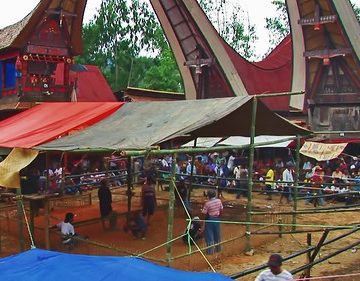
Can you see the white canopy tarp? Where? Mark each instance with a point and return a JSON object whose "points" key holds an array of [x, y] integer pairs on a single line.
{"points": [[203, 142], [237, 140]]}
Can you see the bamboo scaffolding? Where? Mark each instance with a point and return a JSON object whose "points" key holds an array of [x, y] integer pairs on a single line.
{"points": [[250, 177], [297, 173], [296, 254], [171, 211], [319, 211]]}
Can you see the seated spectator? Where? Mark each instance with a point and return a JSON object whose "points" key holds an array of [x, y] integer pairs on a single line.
{"points": [[337, 174], [356, 187], [212, 180], [136, 225], [199, 165], [317, 180], [210, 167], [307, 166], [67, 230]]}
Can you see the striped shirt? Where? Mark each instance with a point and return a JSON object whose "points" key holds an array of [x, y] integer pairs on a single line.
{"points": [[148, 190], [213, 207]]}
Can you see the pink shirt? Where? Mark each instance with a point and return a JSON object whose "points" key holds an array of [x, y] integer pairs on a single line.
{"points": [[213, 207]]}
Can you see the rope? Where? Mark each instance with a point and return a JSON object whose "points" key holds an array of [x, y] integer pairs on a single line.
{"points": [[186, 210], [201, 252], [188, 228], [186, 233], [27, 225], [159, 246], [326, 277], [288, 224]]}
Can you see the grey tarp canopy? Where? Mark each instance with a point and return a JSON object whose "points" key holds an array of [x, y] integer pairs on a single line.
{"points": [[141, 125]]}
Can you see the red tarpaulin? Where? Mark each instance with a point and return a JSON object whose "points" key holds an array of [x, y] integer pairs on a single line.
{"points": [[91, 85], [271, 75], [48, 121]]}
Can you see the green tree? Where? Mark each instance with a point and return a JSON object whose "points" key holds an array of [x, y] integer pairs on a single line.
{"points": [[164, 74], [233, 25], [356, 10], [278, 26], [117, 35]]}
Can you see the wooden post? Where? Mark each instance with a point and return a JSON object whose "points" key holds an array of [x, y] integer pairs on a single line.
{"points": [[171, 210], [248, 247], [20, 219], [319, 245], [32, 217], [191, 172], [308, 255], [47, 223], [296, 182], [47, 167]]}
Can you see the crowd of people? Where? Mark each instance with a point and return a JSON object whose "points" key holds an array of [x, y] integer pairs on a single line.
{"points": [[318, 183], [229, 171]]}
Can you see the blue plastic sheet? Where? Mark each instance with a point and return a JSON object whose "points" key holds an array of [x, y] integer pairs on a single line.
{"points": [[42, 265]]}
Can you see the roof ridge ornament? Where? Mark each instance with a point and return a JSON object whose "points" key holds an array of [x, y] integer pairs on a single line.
{"points": [[317, 20]]}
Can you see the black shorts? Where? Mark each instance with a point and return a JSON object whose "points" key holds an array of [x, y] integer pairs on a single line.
{"points": [[148, 207]]}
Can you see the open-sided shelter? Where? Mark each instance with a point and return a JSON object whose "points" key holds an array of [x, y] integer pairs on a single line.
{"points": [[143, 125]]}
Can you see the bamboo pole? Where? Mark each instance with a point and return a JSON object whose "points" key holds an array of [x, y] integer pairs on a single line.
{"points": [[296, 254], [32, 217], [319, 245], [129, 187], [307, 212], [250, 177], [326, 257], [297, 173], [20, 219], [308, 254], [171, 211], [266, 95], [47, 223], [294, 232], [191, 172]]}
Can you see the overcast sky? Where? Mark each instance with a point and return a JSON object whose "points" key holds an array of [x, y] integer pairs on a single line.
{"points": [[14, 10]]}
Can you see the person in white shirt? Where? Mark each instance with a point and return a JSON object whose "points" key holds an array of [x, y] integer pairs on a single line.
{"points": [[188, 168], [67, 229], [275, 272], [241, 175], [230, 163], [58, 174], [288, 179]]}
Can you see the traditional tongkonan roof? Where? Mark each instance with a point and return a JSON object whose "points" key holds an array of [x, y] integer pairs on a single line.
{"points": [[16, 36]]}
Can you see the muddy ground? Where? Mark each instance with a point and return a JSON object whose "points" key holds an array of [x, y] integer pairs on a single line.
{"points": [[232, 258]]}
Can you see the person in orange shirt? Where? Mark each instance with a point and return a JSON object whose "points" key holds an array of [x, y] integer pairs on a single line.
{"points": [[199, 165]]}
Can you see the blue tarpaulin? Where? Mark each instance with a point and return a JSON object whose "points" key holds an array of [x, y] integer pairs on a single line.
{"points": [[42, 265]]}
